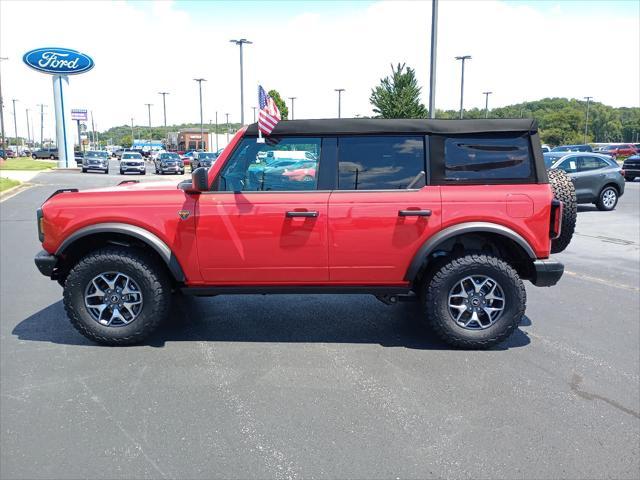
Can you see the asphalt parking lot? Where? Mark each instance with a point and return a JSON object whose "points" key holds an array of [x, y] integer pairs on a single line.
{"points": [[322, 386]]}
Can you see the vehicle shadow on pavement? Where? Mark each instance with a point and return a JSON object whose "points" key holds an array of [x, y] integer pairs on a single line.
{"points": [[354, 319]]}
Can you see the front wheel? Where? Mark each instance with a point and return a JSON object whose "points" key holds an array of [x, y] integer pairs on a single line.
{"points": [[608, 199], [52, 157], [34, 156], [474, 302], [117, 296]]}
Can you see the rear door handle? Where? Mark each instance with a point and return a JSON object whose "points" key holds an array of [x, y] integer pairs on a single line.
{"points": [[414, 213], [311, 214]]}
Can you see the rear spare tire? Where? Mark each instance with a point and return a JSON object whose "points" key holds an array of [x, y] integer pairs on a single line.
{"points": [[564, 190]]}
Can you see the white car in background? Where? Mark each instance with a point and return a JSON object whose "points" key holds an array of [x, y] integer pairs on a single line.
{"points": [[155, 153]]}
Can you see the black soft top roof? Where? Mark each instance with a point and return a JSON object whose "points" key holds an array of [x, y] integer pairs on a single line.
{"points": [[354, 126]]}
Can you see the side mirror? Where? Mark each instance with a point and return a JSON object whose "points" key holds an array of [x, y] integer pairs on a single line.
{"points": [[200, 180]]}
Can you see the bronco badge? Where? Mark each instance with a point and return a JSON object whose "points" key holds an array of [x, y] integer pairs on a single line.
{"points": [[184, 214]]}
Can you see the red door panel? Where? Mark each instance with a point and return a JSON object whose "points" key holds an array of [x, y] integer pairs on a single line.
{"points": [[370, 242], [248, 238]]}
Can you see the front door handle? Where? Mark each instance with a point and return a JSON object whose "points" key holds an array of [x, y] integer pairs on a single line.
{"points": [[414, 213], [311, 214]]}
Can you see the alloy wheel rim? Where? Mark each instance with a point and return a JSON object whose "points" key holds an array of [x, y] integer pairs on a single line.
{"points": [[113, 299], [476, 302], [609, 198]]}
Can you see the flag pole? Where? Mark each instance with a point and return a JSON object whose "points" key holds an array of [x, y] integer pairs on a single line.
{"points": [[260, 139]]}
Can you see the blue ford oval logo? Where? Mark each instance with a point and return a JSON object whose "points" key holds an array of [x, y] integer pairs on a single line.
{"points": [[58, 61]]}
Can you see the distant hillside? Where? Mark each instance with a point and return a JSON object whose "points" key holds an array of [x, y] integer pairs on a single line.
{"points": [[561, 121]]}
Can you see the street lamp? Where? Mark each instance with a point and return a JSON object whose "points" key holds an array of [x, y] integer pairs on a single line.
{"points": [[254, 114], [28, 128], [200, 80], [486, 103], [15, 123], [339, 90], [149, 109], [432, 67], [241, 42], [463, 58], [132, 134], [292, 102], [41, 123], [164, 106], [586, 122], [217, 132], [4, 138], [227, 128]]}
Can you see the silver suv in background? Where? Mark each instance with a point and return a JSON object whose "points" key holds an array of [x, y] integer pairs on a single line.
{"points": [[95, 160], [132, 162], [597, 178]]}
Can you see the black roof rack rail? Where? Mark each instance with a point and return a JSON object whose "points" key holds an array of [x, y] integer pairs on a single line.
{"points": [[62, 190], [128, 181]]}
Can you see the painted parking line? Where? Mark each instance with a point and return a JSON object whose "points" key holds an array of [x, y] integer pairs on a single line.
{"points": [[602, 281]]}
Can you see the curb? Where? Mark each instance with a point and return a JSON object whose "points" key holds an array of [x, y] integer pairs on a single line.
{"points": [[63, 170], [13, 191]]}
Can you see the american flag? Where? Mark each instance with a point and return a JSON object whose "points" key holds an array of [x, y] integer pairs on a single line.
{"points": [[269, 115]]}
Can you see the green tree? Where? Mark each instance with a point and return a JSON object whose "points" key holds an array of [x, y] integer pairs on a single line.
{"points": [[398, 96], [281, 104]]}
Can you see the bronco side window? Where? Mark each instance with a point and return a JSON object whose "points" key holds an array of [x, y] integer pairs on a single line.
{"points": [[381, 162], [485, 158], [282, 164]]}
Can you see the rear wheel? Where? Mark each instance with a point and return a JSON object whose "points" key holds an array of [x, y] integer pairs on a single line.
{"points": [[84, 170], [564, 190], [608, 199], [52, 157], [475, 301], [116, 296]]}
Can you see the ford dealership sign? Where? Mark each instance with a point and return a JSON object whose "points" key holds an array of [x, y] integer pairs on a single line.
{"points": [[58, 61]]}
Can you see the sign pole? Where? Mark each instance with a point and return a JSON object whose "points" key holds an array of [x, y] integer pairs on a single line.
{"points": [[64, 139]]}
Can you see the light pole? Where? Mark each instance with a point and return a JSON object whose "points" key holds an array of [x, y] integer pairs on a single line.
{"points": [[432, 67], [200, 80], [41, 124], [254, 114], [463, 58], [241, 42], [28, 128], [15, 123], [4, 138], [486, 103], [217, 132], [339, 90], [293, 99], [132, 134], [164, 106], [149, 110], [227, 128], [586, 122]]}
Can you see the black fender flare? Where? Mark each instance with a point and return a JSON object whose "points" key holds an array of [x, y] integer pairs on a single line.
{"points": [[139, 233], [420, 257]]}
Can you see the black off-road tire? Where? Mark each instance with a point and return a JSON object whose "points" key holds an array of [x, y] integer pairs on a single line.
{"points": [[600, 204], [141, 267], [435, 298], [565, 191]]}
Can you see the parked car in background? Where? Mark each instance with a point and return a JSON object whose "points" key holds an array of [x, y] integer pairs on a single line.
{"points": [[572, 148], [168, 162], [7, 153], [155, 153], [96, 160], [118, 153], [187, 157], [132, 162], [631, 167], [78, 157], [620, 150], [203, 159], [598, 179], [50, 153]]}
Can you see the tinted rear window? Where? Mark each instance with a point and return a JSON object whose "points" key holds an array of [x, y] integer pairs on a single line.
{"points": [[482, 158], [381, 162]]}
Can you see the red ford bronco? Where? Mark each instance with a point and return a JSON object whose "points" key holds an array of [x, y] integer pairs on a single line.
{"points": [[452, 213]]}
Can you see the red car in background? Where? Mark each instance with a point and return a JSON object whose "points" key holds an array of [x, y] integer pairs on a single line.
{"points": [[622, 150], [301, 172]]}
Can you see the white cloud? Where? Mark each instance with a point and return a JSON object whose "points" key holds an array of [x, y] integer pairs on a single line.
{"points": [[519, 52]]}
